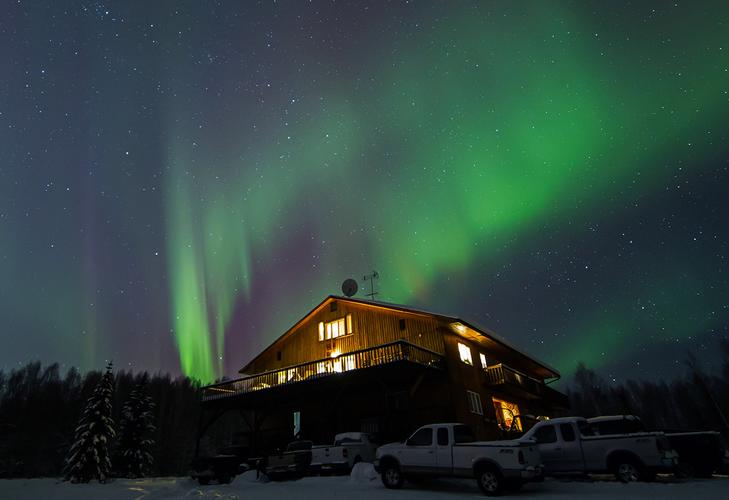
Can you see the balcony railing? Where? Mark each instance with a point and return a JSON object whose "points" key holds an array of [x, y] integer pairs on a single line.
{"points": [[355, 360], [504, 375]]}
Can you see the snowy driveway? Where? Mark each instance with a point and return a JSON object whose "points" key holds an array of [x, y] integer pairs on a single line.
{"points": [[323, 488]]}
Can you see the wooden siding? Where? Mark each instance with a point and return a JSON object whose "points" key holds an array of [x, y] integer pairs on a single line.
{"points": [[371, 326]]}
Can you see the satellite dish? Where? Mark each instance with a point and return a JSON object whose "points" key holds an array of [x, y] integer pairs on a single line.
{"points": [[349, 287]]}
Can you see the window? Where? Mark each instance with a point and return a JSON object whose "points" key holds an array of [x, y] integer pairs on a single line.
{"points": [[401, 324], [506, 414], [585, 428], [424, 437], [463, 434], [337, 328], [442, 436], [482, 357], [278, 356], [474, 402], [297, 423], [546, 434], [568, 433], [465, 353], [333, 306]]}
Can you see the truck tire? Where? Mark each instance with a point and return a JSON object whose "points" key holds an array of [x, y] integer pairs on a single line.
{"points": [[489, 480], [391, 476], [627, 470]]}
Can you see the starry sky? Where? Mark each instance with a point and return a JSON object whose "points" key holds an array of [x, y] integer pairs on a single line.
{"points": [[182, 181]]}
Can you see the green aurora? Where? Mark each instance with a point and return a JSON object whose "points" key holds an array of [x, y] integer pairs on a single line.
{"points": [[438, 149]]}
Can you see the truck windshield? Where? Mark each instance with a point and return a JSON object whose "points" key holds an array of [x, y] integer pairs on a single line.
{"points": [[463, 434]]}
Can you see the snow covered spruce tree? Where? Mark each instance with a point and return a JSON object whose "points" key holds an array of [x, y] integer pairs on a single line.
{"points": [[88, 457], [136, 429]]}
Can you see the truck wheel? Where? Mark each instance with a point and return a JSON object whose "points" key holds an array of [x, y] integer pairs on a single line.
{"points": [[490, 481], [391, 476], [627, 470]]}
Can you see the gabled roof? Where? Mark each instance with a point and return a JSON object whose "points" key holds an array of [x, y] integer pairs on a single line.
{"points": [[460, 326]]}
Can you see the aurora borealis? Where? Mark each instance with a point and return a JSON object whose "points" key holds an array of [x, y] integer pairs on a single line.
{"points": [[182, 181]]}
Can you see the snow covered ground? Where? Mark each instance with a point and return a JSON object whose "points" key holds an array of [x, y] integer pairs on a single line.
{"points": [[363, 484]]}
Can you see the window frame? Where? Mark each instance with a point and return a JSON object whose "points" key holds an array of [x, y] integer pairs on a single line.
{"points": [[473, 400], [464, 352], [570, 436], [422, 431], [482, 359], [344, 323], [546, 428]]}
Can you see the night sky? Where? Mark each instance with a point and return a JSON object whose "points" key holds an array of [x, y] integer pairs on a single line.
{"points": [[182, 181]]}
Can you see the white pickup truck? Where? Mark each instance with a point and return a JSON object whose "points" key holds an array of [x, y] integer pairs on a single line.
{"points": [[451, 450], [571, 445], [349, 448]]}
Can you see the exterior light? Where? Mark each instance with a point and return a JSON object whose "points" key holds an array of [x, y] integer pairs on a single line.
{"points": [[459, 327]]}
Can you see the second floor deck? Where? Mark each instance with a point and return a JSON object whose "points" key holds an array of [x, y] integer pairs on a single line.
{"points": [[393, 352]]}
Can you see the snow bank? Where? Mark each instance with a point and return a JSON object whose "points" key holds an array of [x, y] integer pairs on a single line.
{"points": [[363, 472]]}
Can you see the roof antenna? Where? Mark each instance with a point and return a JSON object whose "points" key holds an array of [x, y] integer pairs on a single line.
{"points": [[371, 278]]}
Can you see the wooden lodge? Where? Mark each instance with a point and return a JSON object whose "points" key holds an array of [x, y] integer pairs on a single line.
{"points": [[356, 365]]}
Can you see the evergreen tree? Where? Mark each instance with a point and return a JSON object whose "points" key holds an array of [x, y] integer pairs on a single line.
{"points": [[88, 457], [135, 436]]}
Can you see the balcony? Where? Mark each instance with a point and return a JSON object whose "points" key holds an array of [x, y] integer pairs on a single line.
{"points": [[394, 352], [504, 376]]}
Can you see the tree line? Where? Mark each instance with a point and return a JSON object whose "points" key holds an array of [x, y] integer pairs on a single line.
{"points": [[693, 400], [41, 409]]}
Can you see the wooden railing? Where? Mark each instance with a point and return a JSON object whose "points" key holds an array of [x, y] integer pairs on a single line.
{"points": [[355, 360], [502, 374]]}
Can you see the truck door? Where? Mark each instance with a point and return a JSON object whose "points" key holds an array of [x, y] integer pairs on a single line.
{"points": [[571, 449], [549, 447], [443, 455], [420, 452]]}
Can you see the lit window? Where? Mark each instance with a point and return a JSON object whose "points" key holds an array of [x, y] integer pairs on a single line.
{"points": [[282, 377], [484, 364], [337, 328], [506, 414], [465, 353], [474, 402]]}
